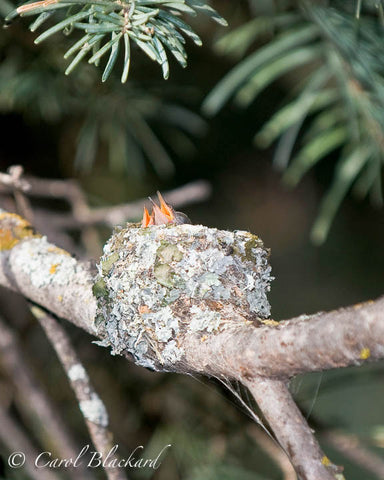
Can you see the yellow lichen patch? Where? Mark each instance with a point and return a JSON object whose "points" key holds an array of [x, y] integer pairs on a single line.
{"points": [[7, 239], [58, 250], [357, 306], [14, 228], [365, 353], [325, 461], [7, 216], [60, 298], [53, 268], [271, 323]]}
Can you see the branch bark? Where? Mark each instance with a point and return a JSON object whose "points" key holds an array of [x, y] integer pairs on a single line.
{"points": [[308, 343], [91, 405], [45, 274], [16, 440], [261, 354], [290, 427], [340, 338], [50, 429]]}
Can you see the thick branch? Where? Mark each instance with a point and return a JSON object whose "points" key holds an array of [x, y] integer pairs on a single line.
{"points": [[340, 338], [291, 429], [261, 354], [45, 274], [53, 279]]}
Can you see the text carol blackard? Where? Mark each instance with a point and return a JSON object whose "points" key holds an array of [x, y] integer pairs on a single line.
{"points": [[93, 459]]}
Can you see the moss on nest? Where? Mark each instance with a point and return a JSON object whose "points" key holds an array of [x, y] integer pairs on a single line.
{"points": [[153, 289]]}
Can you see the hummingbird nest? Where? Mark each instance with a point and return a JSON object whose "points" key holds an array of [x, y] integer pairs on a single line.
{"points": [[157, 285]]}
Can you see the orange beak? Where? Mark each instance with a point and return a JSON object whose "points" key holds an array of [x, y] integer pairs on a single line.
{"points": [[165, 213], [147, 219], [160, 215]]}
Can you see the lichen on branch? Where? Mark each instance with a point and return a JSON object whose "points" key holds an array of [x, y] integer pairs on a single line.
{"points": [[158, 285], [13, 229]]}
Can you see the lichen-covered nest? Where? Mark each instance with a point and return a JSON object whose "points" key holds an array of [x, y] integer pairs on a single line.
{"points": [[157, 284]]}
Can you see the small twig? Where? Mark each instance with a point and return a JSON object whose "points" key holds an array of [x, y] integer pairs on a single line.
{"points": [[179, 197], [15, 440], [291, 429], [77, 199], [82, 215], [351, 447], [50, 429], [19, 187], [13, 179], [91, 405]]}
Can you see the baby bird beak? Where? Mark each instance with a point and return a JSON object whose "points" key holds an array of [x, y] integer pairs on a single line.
{"points": [[165, 214], [162, 215], [147, 219]]}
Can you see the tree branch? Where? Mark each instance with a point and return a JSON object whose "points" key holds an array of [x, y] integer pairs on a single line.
{"points": [[82, 215], [291, 429], [308, 343], [16, 441], [351, 447], [44, 273], [50, 428], [52, 278], [91, 405], [260, 353]]}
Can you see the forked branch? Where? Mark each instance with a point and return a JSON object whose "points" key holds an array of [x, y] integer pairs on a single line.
{"points": [[262, 354]]}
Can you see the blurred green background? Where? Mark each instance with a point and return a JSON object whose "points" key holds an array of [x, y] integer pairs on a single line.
{"points": [[123, 142]]}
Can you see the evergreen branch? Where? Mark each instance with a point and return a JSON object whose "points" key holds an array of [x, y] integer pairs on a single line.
{"points": [[252, 64], [347, 171], [31, 85], [338, 104], [153, 26]]}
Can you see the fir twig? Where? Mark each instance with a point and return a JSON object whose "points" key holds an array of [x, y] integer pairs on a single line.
{"points": [[153, 25]]}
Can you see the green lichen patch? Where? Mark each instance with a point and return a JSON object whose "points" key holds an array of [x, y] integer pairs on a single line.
{"points": [[164, 274], [108, 262], [168, 253], [246, 245], [99, 289], [163, 271]]}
